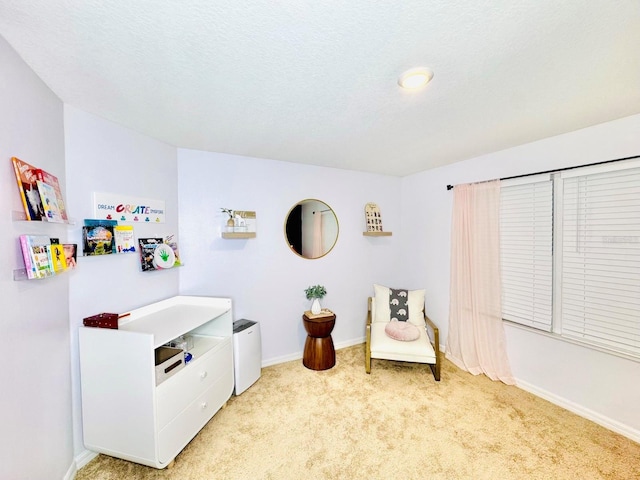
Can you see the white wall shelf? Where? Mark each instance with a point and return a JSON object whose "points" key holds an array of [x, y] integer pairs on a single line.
{"points": [[20, 274], [20, 216]]}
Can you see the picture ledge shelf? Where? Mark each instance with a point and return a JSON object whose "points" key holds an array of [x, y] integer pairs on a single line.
{"points": [[377, 234], [18, 216], [238, 234]]}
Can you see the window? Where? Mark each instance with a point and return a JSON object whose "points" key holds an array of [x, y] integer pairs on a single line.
{"points": [[526, 236], [570, 254]]}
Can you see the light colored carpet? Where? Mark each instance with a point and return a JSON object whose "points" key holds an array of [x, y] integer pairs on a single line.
{"points": [[397, 423]]}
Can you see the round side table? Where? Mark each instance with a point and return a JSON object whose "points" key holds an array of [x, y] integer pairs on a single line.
{"points": [[319, 353]]}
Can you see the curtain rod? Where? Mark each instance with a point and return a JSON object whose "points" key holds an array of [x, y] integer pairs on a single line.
{"points": [[321, 211], [449, 187]]}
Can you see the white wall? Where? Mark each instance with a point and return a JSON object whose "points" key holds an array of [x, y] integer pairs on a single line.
{"points": [[35, 403], [597, 385], [105, 157], [263, 277]]}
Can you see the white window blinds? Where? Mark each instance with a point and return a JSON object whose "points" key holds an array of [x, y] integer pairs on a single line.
{"points": [[600, 292], [526, 249]]}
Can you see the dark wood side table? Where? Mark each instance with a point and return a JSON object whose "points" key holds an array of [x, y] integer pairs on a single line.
{"points": [[319, 353]]}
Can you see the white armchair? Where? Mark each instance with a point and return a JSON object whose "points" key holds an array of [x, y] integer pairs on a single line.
{"points": [[424, 349]]}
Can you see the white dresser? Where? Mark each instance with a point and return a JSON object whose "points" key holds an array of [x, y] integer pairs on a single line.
{"points": [[124, 413]]}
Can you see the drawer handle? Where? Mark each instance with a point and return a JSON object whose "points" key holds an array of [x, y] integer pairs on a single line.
{"points": [[203, 405], [203, 375]]}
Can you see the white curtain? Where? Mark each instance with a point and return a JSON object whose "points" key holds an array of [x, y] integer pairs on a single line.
{"points": [[476, 340]]}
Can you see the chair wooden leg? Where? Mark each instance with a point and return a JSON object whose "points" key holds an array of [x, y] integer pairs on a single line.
{"points": [[367, 344], [367, 359], [435, 369]]}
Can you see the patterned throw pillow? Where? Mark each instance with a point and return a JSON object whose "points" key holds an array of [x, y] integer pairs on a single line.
{"points": [[380, 307], [399, 304]]}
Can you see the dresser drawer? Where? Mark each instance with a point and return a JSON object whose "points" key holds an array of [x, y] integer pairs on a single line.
{"points": [[175, 394], [179, 431]]}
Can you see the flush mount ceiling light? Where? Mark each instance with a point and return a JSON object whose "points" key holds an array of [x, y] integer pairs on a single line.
{"points": [[415, 78]]}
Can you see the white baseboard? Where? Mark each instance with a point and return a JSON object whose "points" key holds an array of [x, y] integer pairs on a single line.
{"points": [[71, 473], [349, 343], [79, 462], [298, 355], [595, 417], [283, 359]]}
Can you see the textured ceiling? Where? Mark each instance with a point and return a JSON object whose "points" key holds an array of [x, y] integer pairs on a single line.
{"points": [[315, 82]]}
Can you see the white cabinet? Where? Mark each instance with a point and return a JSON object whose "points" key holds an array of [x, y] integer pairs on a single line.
{"points": [[124, 413]]}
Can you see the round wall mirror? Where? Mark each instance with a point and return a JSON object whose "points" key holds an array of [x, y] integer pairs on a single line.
{"points": [[311, 228]]}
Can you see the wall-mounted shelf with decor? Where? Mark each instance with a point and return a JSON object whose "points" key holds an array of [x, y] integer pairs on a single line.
{"points": [[377, 234], [238, 235]]}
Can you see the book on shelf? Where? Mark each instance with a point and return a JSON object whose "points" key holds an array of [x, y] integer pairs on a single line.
{"points": [[52, 181], [70, 254], [26, 256], [50, 206], [148, 248], [125, 242], [98, 239], [158, 254], [28, 187], [99, 222], [36, 253], [58, 258]]}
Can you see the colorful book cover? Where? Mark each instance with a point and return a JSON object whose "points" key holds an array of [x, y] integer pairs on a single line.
{"points": [[99, 222], [26, 256], [124, 238], [70, 254], [58, 258], [148, 248], [38, 247], [98, 240], [52, 180], [28, 187], [49, 203]]}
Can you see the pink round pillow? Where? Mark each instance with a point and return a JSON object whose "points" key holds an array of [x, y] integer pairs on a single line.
{"points": [[403, 331]]}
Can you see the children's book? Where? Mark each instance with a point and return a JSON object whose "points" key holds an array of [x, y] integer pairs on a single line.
{"points": [[58, 258], [28, 187], [52, 181], [70, 254], [98, 240], [26, 256], [124, 238], [50, 206], [148, 248], [37, 256], [99, 222]]}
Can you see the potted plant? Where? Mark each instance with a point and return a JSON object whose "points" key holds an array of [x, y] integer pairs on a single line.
{"points": [[228, 211], [315, 292]]}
